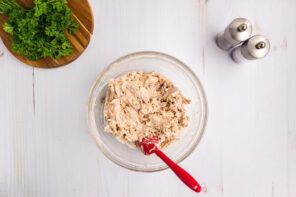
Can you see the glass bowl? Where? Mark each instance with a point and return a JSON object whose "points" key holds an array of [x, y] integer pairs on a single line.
{"points": [[182, 77]]}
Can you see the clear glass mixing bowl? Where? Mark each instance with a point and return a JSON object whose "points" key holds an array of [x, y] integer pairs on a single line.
{"points": [[182, 77]]}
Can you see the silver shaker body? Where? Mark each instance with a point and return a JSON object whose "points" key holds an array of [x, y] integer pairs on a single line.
{"points": [[256, 47], [239, 30]]}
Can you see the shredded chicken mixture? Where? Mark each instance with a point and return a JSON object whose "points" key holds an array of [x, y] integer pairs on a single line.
{"points": [[144, 104]]}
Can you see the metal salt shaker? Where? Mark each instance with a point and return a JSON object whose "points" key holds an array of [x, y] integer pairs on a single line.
{"points": [[256, 47], [239, 30]]}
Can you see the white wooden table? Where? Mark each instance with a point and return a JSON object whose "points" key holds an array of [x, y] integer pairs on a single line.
{"points": [[248, 150]]}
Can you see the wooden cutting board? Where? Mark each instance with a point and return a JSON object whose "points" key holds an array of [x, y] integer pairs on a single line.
{"points": [[82, 13]]}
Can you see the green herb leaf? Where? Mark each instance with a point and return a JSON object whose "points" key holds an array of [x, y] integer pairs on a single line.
{"points": [[8, 28]]}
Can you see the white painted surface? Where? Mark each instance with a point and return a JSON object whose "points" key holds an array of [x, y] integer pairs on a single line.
{"points": [[249, 148]]}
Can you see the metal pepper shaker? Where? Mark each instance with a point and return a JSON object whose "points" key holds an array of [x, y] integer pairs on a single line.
{"points": [[239, 30], [256, 47]]}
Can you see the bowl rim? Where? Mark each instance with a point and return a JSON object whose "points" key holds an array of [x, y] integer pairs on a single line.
{"points": [[95, 135]]}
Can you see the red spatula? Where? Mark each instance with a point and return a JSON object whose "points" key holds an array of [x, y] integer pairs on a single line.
{"points": [[148, 147]]}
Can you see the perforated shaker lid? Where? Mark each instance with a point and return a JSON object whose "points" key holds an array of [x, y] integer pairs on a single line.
{"points": [[256, 47], [240, 29]]}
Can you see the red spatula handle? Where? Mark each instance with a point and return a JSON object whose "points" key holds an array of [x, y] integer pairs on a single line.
{"points": [[180, 172]]}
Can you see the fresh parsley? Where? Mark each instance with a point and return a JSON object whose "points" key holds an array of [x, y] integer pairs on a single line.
{"points": [[39, 32]]}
